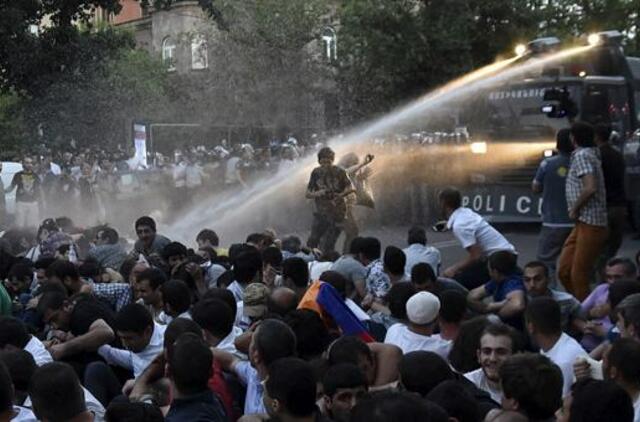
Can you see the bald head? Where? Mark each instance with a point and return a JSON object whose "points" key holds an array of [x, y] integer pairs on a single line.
{"points": [[282, 300]]}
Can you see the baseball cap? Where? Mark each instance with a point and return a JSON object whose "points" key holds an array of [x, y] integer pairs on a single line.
{"points": [[423, 308], [255, 300]]}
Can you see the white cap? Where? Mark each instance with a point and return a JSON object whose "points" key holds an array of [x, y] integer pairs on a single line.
{"points": [[423, 308]]}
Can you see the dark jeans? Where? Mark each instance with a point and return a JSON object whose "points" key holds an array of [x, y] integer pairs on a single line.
{"points": [[102, 382], [549, 247], [324, 232], [474, 276]]}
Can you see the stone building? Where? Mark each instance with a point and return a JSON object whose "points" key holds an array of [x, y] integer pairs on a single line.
{"points": [[194, 50]]}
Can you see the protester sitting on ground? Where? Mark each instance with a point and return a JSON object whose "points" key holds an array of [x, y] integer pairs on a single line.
{"points": [[531, 385], [149, 242], [117, 295], [189, 366], [463, 356], [622, 365], [271, 341], [253, 307], [352, 269], [418, 251], [146, 385], [456, 401], [378, 361], [272, 266], [281, 301], [108, 251], [56, 394], [536, 281], [343, 385], [295, 275], [393, 310], [544, 325], [8, 409], [216, 319], [505, 286], [174, 254], [497, 343], [391, 405], [475, 235], [377, 281], [393, 264], [415, 364], [14, 336], [149, 285], [141, 337], [290, 391], [312, 336], [21, 366], [596, 307], [419, 332], [130, 412], [176, 298], [81, 324], [597, 401], [246, 270], [453, 311], [424, 279]]}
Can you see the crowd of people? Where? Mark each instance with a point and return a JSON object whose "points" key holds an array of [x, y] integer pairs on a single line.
{"points": [[274, 328], [97, 181]]}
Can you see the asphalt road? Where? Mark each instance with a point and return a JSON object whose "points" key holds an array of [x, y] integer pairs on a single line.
{"points": [[523, 236]]}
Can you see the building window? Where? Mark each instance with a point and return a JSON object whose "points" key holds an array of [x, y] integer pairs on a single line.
{"points": [[199, 59], [169, 53], [330, 43]]}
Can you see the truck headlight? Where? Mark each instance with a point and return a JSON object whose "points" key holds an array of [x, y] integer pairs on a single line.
{"points": [[479, 147]]}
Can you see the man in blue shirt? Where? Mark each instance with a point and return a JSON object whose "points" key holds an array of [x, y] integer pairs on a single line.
{"points": [[506, 288], [550, 180]]}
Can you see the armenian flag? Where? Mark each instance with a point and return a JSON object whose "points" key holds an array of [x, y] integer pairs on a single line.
{"points": [[324, 299]]}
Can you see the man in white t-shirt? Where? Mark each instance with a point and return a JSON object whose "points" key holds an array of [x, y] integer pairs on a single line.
{"points": [[496, 345], [544, 324], [418, 251], [422, 313], [14, 336], [475, 235]]}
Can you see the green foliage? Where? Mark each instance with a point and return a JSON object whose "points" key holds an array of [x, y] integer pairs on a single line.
{"points": [[12, 128], [94, 103], [406, 47]]}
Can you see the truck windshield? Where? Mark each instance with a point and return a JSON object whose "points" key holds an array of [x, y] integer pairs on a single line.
{"points": [[514, 112]]}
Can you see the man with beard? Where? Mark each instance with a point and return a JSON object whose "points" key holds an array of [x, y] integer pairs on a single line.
{"points": [[328, 186], [496, 345]]}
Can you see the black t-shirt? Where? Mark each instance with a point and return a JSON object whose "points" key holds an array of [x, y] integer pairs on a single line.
{"points": [[27, 186], [613, 169], [86, 311]]}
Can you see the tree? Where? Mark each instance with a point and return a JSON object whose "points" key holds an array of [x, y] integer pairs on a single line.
{"points": [[396, 50], [29, 61], [265, 69], [97, 102]]}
